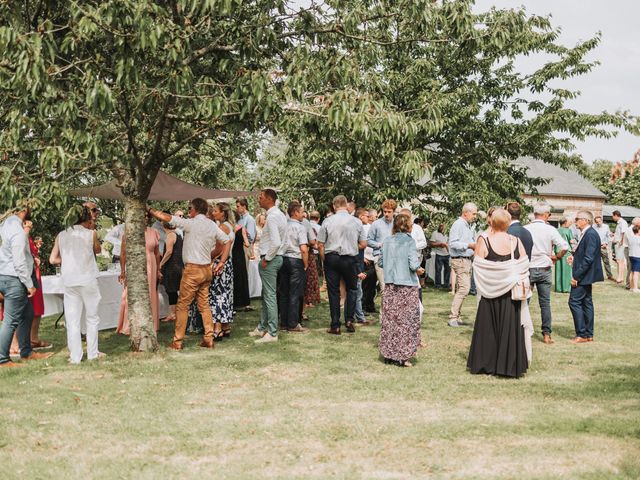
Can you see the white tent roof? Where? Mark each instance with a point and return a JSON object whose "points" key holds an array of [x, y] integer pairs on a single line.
{"points": [[165, 187]]}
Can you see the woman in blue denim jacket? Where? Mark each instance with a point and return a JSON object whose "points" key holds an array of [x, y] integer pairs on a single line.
{"points": [[401, 311]]}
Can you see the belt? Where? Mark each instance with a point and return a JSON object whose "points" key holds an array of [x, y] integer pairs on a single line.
{"points": [[468, 258], [197, 265], [540, 268]]}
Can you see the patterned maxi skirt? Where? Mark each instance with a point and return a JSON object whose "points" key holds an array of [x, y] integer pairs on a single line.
{"points": [[311, 285], [400, 319], [220, 300]]}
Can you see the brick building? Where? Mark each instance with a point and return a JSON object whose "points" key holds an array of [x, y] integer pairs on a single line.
{"points": [[566, 190]]}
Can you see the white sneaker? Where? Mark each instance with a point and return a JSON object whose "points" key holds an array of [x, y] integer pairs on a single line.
{"points": [[256, 333], [267, 338], [100, 355], [636, 290]]}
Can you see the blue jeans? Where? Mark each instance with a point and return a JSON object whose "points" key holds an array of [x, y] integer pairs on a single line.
{"points": [[581, 306], [18, 315], [442, 263], [541, 279], [359, 312]]}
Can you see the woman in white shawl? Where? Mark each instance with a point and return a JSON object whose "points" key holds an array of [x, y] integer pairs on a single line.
{"points": [[501, 342]]}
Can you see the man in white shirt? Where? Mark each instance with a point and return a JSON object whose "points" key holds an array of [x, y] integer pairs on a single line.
{"points": [[75, 249], [605, 238], [273, 235], [114, 237], [16, 286], [545, 238], [201, 235], [440, 248], [622, 253]]}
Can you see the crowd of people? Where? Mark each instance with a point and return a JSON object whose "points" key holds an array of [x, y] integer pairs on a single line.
{"points": [[202, 260]]}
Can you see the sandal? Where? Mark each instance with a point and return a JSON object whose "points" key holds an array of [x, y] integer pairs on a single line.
{"points": [[41, 345], [226, 333], [218, 335]]}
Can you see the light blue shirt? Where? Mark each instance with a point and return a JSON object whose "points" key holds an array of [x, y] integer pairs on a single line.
{"points": [[15, 256], [249, 223], [341, 234], [379, 231], [399, 260], [460, 236]]}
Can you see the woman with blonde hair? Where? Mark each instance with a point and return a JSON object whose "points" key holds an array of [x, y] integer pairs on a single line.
{"points": [[221, 288], [501, 341], [401, 309]]}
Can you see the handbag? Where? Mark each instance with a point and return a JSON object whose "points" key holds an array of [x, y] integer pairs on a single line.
{"points": [[522, 289]]}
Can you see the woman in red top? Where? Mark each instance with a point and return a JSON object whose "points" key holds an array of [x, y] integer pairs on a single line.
{"points": [[37, 300]]}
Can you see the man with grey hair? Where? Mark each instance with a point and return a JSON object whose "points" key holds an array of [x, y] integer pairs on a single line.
{"points": [[340, 239], [461, 247], [586, 270], [605, 239], [545, 238]]}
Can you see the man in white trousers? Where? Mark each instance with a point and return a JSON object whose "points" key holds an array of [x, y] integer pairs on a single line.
{"points": [[75, 249]]}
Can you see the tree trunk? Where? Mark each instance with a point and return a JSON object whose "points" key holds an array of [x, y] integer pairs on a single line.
{"points": [[143, 333]]}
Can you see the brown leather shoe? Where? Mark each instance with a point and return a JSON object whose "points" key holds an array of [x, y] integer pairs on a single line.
{"points": [[547, 339], [333, 331], [206, 343], [11, 365], [580, 340], [38, 356], [350, 327], [175, 346], [590, 339]]}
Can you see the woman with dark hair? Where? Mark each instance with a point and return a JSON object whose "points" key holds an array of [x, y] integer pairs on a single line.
{"points": [[241, 298], [401, 311], [221, 287], [74, 250], [171, 268]]}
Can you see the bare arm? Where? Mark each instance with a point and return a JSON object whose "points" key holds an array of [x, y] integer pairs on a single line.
{"points": [[168, 249], [96, 243], [321, 250], [304, 250], [54, 258]]}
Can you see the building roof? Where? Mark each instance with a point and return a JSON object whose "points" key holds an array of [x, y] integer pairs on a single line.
{"points": [[568, 183], [627, 212]]}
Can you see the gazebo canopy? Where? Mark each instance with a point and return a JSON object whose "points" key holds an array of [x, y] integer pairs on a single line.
{"points": [[166, 187]]}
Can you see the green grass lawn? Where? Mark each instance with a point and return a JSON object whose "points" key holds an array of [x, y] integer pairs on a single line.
{"points": [[319, 406]]}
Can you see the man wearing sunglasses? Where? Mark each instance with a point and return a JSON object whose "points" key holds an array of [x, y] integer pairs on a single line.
{"points": [[587, 270]]}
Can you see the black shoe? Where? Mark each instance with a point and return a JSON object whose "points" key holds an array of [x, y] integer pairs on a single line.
{"points": [[350, 327]]}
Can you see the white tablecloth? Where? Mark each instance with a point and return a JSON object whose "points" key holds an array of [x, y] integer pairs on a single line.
{"points": [[108, 308], [255, 284]]}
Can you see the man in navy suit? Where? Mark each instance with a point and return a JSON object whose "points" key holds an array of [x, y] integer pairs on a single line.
{"points": [[587, 270]]}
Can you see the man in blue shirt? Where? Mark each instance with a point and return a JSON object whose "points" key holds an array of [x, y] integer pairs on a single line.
{"points": [[17, 287], [379, 231], [461, 247]]}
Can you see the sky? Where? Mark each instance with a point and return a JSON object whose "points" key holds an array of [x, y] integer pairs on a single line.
{"points": [[614, 84]]}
